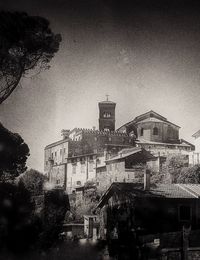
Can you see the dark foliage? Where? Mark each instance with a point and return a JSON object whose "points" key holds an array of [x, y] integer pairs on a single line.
{"points": [[20, 228], [189, 175], [26, 42], [33, 181], [16, 215], [13, 154], [56, 204]]}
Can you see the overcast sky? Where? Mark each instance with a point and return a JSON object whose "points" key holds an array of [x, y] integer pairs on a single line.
{"points": [[146, 56]]}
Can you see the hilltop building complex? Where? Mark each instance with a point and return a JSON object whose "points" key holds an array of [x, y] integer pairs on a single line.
{"points": [[83, 154]]}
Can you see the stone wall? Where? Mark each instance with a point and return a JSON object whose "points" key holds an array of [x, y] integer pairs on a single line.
{"points": [[58, 175], [166, 132]]}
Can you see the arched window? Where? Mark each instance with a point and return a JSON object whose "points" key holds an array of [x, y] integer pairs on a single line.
{"points": [[107, 114], [141, 131], [106, 128], [155, 131]]}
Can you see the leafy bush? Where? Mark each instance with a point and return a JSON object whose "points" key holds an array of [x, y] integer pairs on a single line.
{"points": [[56, 204], [13, 154], [33, 181], [189, 175]]}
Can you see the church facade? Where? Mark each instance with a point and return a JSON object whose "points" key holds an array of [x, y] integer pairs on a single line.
{"points": [[156, 134]]}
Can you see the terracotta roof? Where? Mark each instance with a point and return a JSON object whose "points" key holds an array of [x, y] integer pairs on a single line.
{"points": [[165, 191], [151, 112], [148, 114], [131, 151], [98, 132], [56, 143], [193, 188], [107, 102], [142, 141], [197, 134]]}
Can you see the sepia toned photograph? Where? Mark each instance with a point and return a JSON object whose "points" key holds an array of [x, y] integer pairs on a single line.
{"points": [[99, 130]]}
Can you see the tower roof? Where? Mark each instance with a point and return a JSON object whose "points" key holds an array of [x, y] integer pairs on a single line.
{"points": [[107, 102]]}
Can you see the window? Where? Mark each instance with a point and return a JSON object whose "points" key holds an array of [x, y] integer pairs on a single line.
{"points": [[60, 151], [106, 128], [82, 168], [184, 213], [58, 181], [74, 169], [155, 131], [141, 131], [107, 114], [55, 154], [64, 150], [78, 183], [91, 166], [51, 155]]}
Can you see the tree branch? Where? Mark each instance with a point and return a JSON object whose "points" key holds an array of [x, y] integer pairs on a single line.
{"points": [[10, 90]]}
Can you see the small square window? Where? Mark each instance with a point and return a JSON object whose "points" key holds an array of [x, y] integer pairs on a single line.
{"points": [[82, 168], [74, 169], [91, 166]]}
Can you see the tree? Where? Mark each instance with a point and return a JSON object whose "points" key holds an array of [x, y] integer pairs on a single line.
{"points": [[13, 154], [56, 204], [16, 216], [26, 43], [189, 175], [174, 164], [33, 181]]}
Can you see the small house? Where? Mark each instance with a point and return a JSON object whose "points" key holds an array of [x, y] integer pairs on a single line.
{"points": [[148, 209]]}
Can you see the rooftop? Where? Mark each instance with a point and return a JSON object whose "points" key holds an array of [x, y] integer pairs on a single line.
{"points": [[107, 102], [196, 135], [183, 144], [149, 115], [165, 191], [131, 152]]}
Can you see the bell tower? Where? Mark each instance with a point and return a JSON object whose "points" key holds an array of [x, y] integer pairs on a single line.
{"points": [[107, 115]]}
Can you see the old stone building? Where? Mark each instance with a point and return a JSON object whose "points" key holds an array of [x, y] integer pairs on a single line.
{"points": [[195, 155], [72, 161], [107, 115], [156, 134], [83, 154], [128, 165]]}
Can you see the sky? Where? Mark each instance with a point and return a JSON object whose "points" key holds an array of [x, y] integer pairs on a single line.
{"points": [[144, 54]]}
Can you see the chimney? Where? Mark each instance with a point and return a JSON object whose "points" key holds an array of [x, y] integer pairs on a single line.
{"points": [[147, 176], [65, 133]]}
